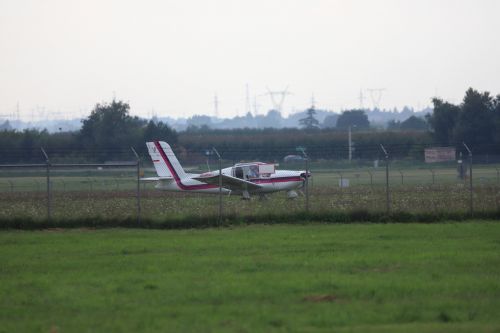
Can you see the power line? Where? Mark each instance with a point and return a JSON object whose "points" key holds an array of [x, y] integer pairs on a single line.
{"points": [[216, 106], [248, 107]]}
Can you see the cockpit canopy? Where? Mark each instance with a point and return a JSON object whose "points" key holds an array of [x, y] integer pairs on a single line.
{"points": [[253, 170]]}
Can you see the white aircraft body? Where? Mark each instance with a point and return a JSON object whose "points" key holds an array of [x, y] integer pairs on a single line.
{"points": [[243, 178]]}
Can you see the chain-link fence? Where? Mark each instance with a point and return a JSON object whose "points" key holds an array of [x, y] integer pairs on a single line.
{"points": [[290, 183]]}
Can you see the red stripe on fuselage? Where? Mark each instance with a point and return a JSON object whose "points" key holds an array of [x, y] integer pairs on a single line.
{"points": [[176, 176]]}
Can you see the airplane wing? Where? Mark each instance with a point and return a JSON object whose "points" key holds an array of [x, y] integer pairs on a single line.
{"points": [[229, 182]]}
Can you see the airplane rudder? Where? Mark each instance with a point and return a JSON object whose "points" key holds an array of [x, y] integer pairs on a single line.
{"points": [[158, 162], [172, 158]]}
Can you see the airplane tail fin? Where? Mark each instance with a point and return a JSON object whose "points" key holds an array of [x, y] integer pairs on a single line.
{"points": [[164, 160]]}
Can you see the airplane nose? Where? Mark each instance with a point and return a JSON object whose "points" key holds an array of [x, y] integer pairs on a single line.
{"points": [[304, 175]]}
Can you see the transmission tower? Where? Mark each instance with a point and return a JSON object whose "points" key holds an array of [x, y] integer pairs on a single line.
{"points": [[216, 106], [278, 98], [255, 105], [248, 107], [18, 113], [376, 96], [313, 101]]}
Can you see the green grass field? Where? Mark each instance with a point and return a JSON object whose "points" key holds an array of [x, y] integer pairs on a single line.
{"points": [[290, 278]]}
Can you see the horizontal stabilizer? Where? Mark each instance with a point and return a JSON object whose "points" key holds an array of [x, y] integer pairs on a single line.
{"points": [[156, 179], [229, 182]]}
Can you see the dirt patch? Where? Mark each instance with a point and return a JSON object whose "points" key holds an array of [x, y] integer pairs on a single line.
{"points": [[66, 229], [54, 230], [320, 298], [376, 269]]}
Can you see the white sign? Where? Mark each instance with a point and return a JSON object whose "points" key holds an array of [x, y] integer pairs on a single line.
{"points": [[439, 154], [344, 182]]}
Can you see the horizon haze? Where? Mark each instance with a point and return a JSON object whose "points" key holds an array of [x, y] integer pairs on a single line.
{"points": [[170, 58]]}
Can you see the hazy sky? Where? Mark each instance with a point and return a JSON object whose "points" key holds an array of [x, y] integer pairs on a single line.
{"points": [[173, 56]]}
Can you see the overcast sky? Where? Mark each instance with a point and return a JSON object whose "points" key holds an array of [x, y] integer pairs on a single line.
{"points": [[173, 56]]}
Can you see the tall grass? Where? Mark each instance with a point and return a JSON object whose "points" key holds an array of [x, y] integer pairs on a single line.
{"points": [[205, 221]]}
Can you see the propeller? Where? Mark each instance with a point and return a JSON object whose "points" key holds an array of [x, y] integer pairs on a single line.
{"points": [[304, 177]]}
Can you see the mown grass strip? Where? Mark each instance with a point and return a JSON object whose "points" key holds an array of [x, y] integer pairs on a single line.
{"points": [[314, 277]]}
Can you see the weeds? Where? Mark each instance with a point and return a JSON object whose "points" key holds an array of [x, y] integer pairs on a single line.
{"points": [[197, 221]]}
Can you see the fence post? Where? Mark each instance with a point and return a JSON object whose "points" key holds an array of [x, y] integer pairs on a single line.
{"points": [[388, 205], [306, 182], [220, 185], [433, 176], [341, 180], [11, 185], [471, 199], [371, 178], [402, 176], [138, 191], [47, 162]]}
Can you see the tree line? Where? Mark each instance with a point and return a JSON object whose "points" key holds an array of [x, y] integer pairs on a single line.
{"points": [[109, 132], [475, 121], [106, 134]]}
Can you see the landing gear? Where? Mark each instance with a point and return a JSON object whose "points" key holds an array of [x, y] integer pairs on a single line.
{"points": [[245, 195], [291, 194]]}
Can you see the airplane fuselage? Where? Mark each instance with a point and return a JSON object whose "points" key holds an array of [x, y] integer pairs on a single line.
{"points": [[281, 180]]}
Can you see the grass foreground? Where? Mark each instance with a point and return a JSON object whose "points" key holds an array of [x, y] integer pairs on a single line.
{"points": [[301, 278]]}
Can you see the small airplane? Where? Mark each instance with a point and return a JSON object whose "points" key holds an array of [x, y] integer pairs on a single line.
{"points": [[242, 178]]}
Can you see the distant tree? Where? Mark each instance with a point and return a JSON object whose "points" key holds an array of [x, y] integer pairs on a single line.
{"points": [[199, 121], [442, 121], [330, 121], [272, 119], [110, 127], [393, 125], [475, 122], [309, 122], [159, 131], [198, 129], [414, 123], [407, 110], [29, 139], [5, 126], [354, 118], [496, 119]]}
